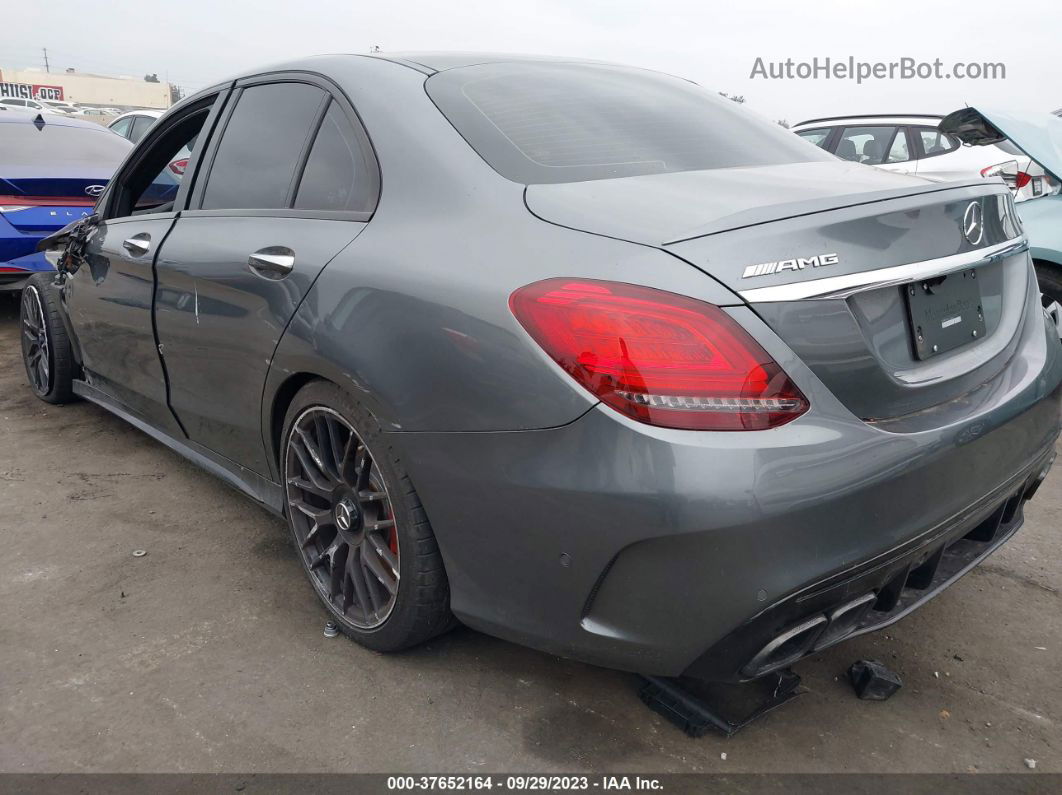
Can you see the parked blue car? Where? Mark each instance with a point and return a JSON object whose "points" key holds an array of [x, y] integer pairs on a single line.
{"points": [[52, 168], [1038, 135]]}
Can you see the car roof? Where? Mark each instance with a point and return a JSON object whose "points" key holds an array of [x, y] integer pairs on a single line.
{"points": [[49, 119], [441, 61], [154, 114], [426, 62], [895, 118]]}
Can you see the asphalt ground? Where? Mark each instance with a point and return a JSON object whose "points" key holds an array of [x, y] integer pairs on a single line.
{"points": [[207, 653]]}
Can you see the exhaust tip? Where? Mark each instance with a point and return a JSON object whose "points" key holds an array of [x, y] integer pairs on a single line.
{"points": [[786, 648]]}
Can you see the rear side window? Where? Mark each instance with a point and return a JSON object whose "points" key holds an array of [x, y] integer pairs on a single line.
{"points": [[140, 126], [867, 145], [817, 136], [934, 142], [560, 122], [122, 127], [337, 175], [54, 144], [899, 151], [262, 146]]}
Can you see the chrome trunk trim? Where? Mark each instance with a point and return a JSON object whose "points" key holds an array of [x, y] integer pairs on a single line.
{"points": [[852, 283]]}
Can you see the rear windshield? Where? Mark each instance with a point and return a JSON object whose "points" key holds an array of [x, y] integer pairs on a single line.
{"points": [[548, 122], [54, 144]]}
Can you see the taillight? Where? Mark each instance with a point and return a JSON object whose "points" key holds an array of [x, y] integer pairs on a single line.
{"points": [[1005, 170], [1021, 179], [660, 358], [10, 204], [178, 166]]}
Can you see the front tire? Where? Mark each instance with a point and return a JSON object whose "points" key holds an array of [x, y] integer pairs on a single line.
{"points": [[358, 526], [46, 350], [1049, 278]]}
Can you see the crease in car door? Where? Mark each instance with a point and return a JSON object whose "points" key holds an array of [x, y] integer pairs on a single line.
{"points": [[219, 321], [233, 272], [110, 298]]}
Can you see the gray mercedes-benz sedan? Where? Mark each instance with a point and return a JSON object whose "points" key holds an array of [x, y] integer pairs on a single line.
{"points": [[579, 355]]}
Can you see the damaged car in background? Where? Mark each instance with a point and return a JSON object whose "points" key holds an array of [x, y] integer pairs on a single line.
{"points": [[52, 170], [582, 356], [1039, 137]]}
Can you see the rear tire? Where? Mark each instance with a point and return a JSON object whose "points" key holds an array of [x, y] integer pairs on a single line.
{"points": [[46, 350], [1050, 280], [358, 526]]}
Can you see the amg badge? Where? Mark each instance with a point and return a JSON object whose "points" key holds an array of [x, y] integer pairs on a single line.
{"points": [[798, 264]]}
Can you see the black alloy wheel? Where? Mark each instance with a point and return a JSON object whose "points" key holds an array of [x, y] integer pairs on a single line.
{"points": [[36, 351], [342, 517]]}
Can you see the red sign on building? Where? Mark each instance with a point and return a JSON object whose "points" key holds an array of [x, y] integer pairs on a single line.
{"points": [[31, 91]]}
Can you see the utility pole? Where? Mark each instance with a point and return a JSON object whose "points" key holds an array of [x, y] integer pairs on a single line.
{"points": [[46, 67]]}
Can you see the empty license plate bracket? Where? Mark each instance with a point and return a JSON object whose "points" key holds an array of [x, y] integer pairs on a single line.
{"points": [[945, 313]]}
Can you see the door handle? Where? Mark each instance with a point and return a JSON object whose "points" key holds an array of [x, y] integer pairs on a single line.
{"points": [[272, 262], [137, 245]]}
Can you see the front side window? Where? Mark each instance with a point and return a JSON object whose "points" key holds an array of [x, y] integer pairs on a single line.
{"points": [[865, 144], [152, 184], [18, 103], [262, 146], [564, 122], [817, 136]]}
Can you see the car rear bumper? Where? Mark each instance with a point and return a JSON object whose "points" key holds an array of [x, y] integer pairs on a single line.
{"points": [[18, 243], [668, 552], [15, 273], [875, 593]]}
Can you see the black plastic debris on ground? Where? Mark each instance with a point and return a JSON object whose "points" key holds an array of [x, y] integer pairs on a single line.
{"points": [[872, 681], [697, 707]]}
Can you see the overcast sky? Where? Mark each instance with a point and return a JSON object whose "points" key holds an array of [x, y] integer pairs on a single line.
{"points": [[195, 42]]}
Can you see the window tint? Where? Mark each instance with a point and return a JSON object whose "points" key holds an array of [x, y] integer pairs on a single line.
{"points": [[140, 126], [122, 127], [899, 152], [865, 144], [817, 136], [261, 147], [543, 122], [336, 177], [934, 142], [18, 103]]}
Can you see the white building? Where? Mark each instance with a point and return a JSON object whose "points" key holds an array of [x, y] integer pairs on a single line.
{"points": [[71, 86]]}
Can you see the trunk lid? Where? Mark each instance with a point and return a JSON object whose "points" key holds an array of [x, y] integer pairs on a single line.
{"points": [[827, 254], [49, 203], [1037, 134]]}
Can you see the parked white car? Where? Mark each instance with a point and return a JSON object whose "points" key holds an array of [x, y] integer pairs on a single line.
{"points": [[58, 106], [25, 104], [134, 124], [913, 144]]}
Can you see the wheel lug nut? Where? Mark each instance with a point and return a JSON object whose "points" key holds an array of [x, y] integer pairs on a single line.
{"points": [[331, 630]]}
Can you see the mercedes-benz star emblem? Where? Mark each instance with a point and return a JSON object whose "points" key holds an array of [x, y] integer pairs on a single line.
{"points": [[94, 190], [343, 516], [973, 227]]}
